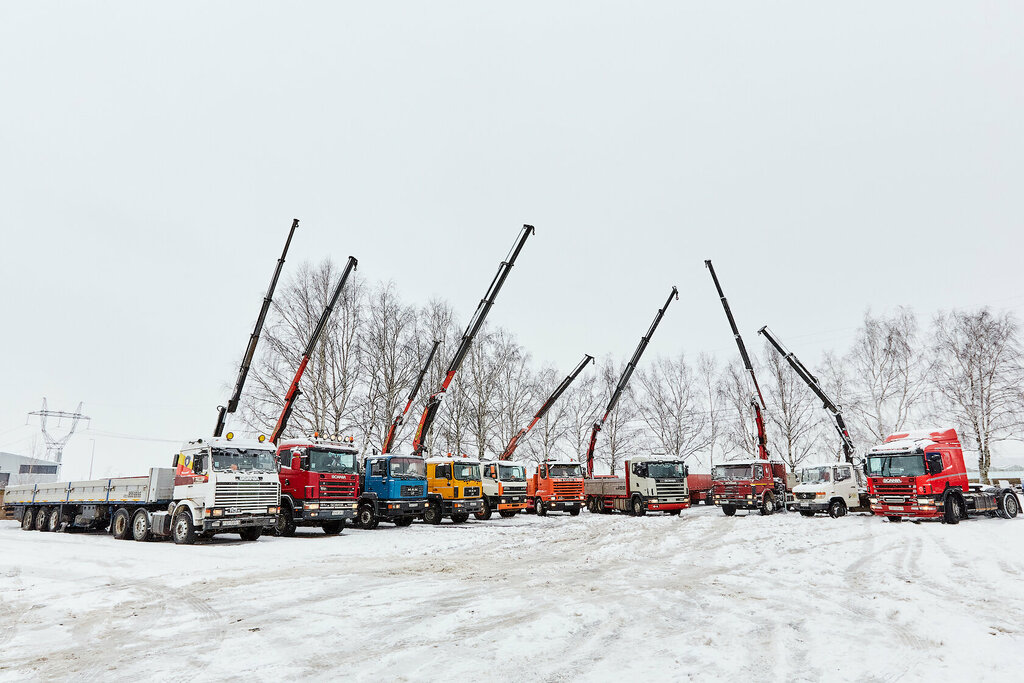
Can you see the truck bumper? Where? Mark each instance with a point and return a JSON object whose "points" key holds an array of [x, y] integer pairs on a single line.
{"points": [[230, 523], [466, 505], [908, 510], [808, 505], [563, 504], [517, 502], [401, 508], [662, 506], [744, 503], [325, 512]]}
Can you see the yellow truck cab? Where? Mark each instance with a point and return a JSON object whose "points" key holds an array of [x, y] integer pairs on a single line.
{"points": [[453, 489]]}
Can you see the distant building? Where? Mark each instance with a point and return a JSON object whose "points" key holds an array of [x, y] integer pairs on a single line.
{"points": [[21, 469]]}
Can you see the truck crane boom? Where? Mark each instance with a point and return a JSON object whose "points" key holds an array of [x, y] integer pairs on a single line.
{"points": [[293, 390], [254, 338], [624, 379], [559, 390], [811, 381], [389, 438], [475, 323], [757, 404]]}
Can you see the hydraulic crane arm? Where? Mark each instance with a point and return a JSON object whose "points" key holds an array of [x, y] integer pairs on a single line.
{"points": [[293, 390], [389, 438], [475, 323], [811, 381], [559, 390], [758, 403], [626, 374], [250, 351]]}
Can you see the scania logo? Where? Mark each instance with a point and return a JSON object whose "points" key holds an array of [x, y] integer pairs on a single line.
{"points": [[891, 481]]}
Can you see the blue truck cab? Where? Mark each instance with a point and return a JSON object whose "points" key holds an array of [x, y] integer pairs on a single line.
{"points": [[392, 488]]}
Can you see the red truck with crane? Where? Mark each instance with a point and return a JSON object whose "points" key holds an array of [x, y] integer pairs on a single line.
{"points": [[922, 475], [319, 479], [761, 484]]}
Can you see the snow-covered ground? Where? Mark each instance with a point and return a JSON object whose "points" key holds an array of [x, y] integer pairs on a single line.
{"points": [[593, 597]]}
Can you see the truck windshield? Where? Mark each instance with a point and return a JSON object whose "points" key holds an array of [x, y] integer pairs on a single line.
{"points": [[907, 465], [332, 461], [408, 468], [731, 472], [464, 472], [243, 460], [666, 470], [816, 475], [565, 471], [511, 473]]}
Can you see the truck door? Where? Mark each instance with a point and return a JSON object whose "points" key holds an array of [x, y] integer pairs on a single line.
{"points": [[843, 476], [375, 477], [442, 482]]}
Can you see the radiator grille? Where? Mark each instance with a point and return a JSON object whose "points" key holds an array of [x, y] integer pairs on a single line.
{"points": [[337, 489], [412, 491], [471, 492], [247, 496]]}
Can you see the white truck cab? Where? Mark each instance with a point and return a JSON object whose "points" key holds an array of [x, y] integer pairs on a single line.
{"points": [[504, 487], [836, 489]]}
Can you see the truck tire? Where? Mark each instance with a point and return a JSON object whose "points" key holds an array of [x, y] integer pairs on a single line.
{"points": [[432, 515], [141, 526], [333, 527], [404, 521], [367, 519], [183, 530], [807, 513], [27, 518], [768, 503], [538, 507], [729, 510], [637, 506], [895, 519], [285, 523], [121, 524], [57, 519], [485, 512], [952, 510], [837, 508], [460, 517], [252, 533], [574, 510], [1009, 507], [508, 513]]}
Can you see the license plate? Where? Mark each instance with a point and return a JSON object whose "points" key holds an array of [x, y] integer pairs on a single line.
{"points": [[338, 512], [897, 507]]}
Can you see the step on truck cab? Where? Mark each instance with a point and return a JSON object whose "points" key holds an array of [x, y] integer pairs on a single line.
{"points": [[651, 484], [220, 485], [762, 485], [392, 488], [836, 489], [921, 474], [504, 488], [319, 484], [453, 489], [555, 485]]}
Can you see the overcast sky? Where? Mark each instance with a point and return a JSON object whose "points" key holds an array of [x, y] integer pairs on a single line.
{"points": [[152, 157]]}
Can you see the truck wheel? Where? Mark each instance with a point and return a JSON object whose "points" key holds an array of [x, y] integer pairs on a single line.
{"points": [[53, 523], [638, 507], [837, 509], [43, 519], [729, 510], [285, 523], [460, 517], [507, 513], [121, 525], [895, 519], [27, 517], [768, 504], [1010, 507], [367, 519], [574, 510], [485, 512], [252, 533], [807, 513], [952, 511], [404, 521], [432, 514], [333, 527], [141, 526], [709, 499], [538, 507], [184, 530]]}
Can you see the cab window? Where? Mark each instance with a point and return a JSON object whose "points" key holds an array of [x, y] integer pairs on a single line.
{"points": [[443, 472], [842, 473], [377, 468]]}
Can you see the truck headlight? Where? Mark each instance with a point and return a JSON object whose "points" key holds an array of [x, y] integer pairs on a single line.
{"points": [[272, 511], [217, 512], [820, 494], [926, 502], [653, 500], [312, 506], [873, 501]]}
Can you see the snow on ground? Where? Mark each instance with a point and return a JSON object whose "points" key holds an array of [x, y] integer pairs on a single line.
{"points": [[559, 598]]}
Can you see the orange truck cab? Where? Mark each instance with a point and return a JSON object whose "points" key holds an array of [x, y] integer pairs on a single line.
{"points": [[555, 485]]}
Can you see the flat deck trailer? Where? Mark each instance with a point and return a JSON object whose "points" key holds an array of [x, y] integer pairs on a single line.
{"points": [[651, 484]]}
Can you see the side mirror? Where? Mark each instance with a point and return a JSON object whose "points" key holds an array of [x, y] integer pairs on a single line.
{"points": [[296, 462]]}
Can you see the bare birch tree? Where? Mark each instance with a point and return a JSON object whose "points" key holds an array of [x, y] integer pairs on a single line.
{"points": [[670, 406], [794, 417]]}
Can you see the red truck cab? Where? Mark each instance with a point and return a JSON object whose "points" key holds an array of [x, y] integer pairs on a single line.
{"points": [[921, 474], [319, 484], [761, 485]]}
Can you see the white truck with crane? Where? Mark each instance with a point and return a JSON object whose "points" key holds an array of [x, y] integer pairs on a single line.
{"points": [[651, 484], [838, 488]]}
